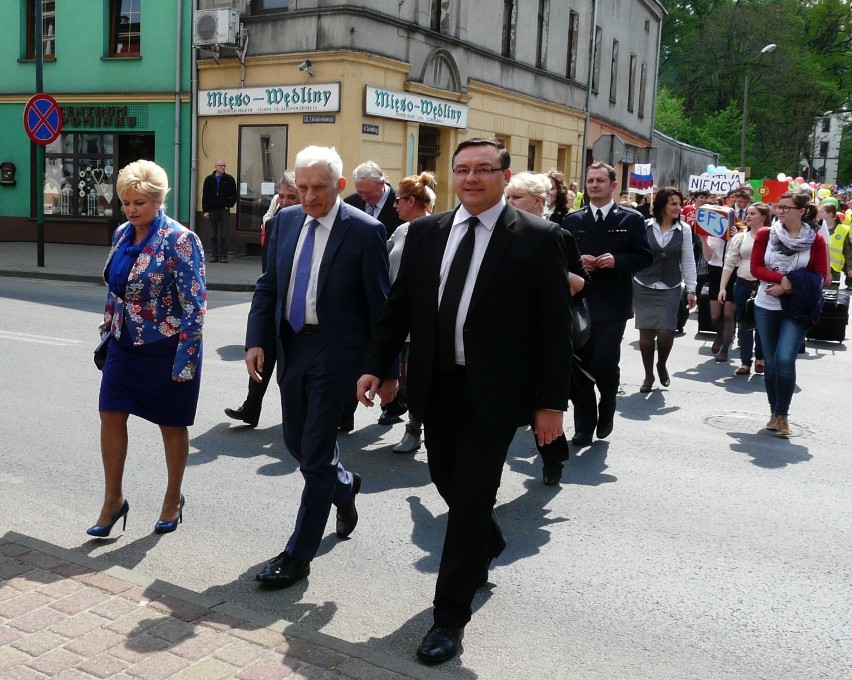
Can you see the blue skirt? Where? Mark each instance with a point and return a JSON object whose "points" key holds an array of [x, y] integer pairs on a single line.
{"points": [[138, 380]]}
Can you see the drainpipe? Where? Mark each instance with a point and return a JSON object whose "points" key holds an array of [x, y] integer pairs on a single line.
{"points": [[593, 33], [193, 134], [178, 64]]}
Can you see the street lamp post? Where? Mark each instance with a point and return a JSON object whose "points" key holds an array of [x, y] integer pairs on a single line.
{"points": [[769, 48]]}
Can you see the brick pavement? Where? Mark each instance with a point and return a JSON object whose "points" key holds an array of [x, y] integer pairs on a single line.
{"points": [[63, 616]]}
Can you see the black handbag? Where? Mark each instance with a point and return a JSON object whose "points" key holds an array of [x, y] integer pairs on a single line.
{"points": [[101, 352], [747, 319], [582, 318]]}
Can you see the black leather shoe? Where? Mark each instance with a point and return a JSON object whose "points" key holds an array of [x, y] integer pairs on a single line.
{"points": [[392, 413], [388, 418], [581, 439], [247, 414], [604, 428], [347, 515], [440, 644], [551, 476], [346, 425], [283, 571]]}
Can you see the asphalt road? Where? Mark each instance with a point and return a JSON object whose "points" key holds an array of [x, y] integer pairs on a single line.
{"points": [[689, 545]]}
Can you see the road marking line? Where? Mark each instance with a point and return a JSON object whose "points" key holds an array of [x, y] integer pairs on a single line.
{"points": [[38, 339]]}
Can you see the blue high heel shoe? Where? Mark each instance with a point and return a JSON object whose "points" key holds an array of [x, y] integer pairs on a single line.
{"points": [[162, 527], [102, 532]]}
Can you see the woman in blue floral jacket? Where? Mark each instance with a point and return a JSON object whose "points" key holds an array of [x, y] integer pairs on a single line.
{"points": [[154, 315]]}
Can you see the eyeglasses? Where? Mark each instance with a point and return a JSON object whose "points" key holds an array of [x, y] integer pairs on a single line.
{"points": [[401, 198], [784, 209], [482, 172]]}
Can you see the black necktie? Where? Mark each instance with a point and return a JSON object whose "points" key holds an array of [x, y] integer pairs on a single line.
{"points": [[599, 220], [445, 331]]}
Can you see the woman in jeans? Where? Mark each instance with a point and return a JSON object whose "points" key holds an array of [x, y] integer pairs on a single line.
{"points": [[791, 243], [738, 258]]}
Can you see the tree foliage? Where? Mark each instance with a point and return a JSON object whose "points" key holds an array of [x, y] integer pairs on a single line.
{"points": [[708, 47]]}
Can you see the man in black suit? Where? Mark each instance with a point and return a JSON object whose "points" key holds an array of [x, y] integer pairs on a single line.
{"points": [[218, 196], [483, 292], [325, 284], [375, 196], [614, 245]]}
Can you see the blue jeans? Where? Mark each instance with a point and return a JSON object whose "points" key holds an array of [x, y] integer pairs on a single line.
{"points": [[781, 338], [749, 339]]}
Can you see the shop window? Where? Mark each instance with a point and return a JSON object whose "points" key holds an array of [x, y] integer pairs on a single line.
{"points": [[79, 175], [428, 149], [613, 73], [260, 6], [262, 161], [48, 21], [573, 38], [125, 22]]}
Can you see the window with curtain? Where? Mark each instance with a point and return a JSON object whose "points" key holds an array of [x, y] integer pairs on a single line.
{"points": [[631, 83], [573, 34], [48, 20], [125, 23], [613, 73], [596, 73]]}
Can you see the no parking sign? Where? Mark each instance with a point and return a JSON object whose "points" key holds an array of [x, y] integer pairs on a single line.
{"points": [[42, 119]]}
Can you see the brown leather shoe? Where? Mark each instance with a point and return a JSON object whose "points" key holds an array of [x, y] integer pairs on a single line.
{"points": [[783, 428], [743, 370], [773, 423], [758, 366]]}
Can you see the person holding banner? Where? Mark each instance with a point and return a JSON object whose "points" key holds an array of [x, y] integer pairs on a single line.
{"points": [[781, 253], [656, 289], [723, 313], [738, 265]]}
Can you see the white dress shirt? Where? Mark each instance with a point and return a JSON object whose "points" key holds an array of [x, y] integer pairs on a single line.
{"points": [[487, 221], [321, 234]]}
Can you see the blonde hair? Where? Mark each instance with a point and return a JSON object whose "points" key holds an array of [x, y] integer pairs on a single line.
{"points": [[143, 177], [420, 187], [530, 183]]}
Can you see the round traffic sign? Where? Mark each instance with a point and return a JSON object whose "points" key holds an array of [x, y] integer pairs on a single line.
{"points": [[42, 119]]}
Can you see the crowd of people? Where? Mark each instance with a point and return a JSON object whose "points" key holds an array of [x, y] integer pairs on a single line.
{"points": [[373, 295]]}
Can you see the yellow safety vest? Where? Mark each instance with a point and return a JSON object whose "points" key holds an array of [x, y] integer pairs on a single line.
{"points": [[835, 247]]}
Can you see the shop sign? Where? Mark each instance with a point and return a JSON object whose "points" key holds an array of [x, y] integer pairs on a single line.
{"points": [[368, 129], [414, 107], [98, 117], [320, 97]]}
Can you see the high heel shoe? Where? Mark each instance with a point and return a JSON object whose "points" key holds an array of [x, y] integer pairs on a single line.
{"points": [[162, 527], [663, 372], [102, 532]]}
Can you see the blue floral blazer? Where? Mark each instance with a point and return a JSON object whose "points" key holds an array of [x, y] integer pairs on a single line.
{"points": [[166, 294]]}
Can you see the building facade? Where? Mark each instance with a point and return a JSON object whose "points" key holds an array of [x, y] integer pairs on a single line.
{"points": [[120, 72], [827, 139], [401, 83]]}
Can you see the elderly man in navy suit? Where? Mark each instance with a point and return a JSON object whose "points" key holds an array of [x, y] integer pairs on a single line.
{"points": [[325, 284], [614, 246]]}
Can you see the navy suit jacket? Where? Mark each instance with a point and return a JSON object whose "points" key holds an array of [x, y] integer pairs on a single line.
{"points": [[351, 291], [387, 215], [623, 234], [517, 333]]}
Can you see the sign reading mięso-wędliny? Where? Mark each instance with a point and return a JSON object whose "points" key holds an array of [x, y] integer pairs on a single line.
{"points": [[414, 107], [318, 97]]}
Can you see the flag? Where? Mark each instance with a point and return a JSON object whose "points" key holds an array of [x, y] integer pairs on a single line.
{"points": [[641, 180]]}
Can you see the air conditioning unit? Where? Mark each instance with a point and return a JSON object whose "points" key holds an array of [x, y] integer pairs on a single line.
{"points": [[215, 27]]}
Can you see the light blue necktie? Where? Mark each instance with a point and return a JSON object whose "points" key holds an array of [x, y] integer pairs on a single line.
{"points": [[371, 210], [303, 274]]}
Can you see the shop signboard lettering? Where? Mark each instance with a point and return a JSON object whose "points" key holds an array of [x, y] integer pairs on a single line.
{"points": [[98, 117], [320, 97], [414, 107]]}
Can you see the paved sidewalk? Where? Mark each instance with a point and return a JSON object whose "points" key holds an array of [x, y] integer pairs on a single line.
{"points": [[71, 262], [62, 616]]}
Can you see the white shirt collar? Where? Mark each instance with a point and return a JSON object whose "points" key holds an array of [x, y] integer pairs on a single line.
{"points": [[604, 209], [487, 218]]}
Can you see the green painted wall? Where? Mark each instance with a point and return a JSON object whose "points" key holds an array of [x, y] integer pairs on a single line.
{"points": [[82, 38]]}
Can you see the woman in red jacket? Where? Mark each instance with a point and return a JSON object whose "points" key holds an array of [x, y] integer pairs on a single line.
{"points": [[792, 242]]}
